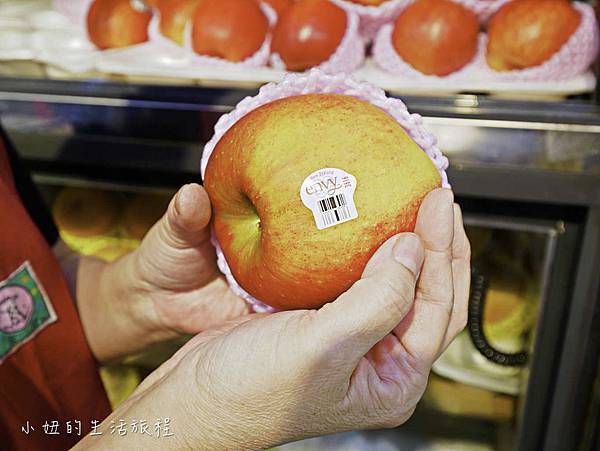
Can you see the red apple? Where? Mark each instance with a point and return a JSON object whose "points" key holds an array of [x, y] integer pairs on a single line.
{"points": [[254, 178], [229, 29], [279, 5], [436, 37], [174, 16], [308, 33], [525, 33], [117, 23]]}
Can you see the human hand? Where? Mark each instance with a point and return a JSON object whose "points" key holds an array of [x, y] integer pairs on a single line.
{"points": [[176, 267], [170, 285], [175, 270], [359, 362]]}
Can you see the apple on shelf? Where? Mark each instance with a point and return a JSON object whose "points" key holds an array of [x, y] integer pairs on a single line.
{"points": [[84, 212], [232, 30], [308, 33], [118, 23], [526, 33], [436, 37], [304, 190], [279, 6], [174, 17]]}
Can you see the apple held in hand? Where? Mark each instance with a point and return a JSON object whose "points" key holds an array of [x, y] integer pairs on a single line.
{"points": [[230, 29], [357, 168], [174, 16], [526, 33], [436, 37], [118, 23], [308, 33]]}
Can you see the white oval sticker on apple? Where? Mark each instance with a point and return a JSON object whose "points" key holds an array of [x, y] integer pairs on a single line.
{"points": [[329, 194]]}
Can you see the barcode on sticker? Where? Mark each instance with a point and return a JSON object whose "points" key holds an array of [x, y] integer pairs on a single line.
{"points": [[334, 209], [332, 202], [329, 194]]}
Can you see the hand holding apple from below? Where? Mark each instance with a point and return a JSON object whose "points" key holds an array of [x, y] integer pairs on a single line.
{"points": [[526, 33], [308, 33], [436, 37], [360, 362], [117, 23], [230, 29], [265, 165]]}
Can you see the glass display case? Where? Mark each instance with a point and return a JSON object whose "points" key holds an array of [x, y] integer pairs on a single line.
{"points": [[112, 135], [527, 175]]}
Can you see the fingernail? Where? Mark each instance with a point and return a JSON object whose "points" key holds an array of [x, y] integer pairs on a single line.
{"points": [[447, 195], [409, 252], [182, 197]]}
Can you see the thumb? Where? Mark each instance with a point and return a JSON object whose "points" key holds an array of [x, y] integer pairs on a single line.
{"points": [[185, 223], [374, 305]]}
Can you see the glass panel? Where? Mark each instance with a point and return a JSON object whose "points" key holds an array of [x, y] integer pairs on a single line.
{"points": [[533, 145]]}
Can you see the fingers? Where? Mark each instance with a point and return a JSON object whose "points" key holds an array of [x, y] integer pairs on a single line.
{"points": [[216, 303], [185, 223], [375, 304], [422, 332], [461, 275], [176, 253]]}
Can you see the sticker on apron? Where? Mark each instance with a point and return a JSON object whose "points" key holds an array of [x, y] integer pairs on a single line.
{"points": [[25, 309]]}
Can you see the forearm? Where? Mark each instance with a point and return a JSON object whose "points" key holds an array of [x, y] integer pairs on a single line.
{"points": [[142, 409], [173, 396], [115, 311]]}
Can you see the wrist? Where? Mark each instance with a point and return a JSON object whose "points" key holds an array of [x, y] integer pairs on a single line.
{"points": [[115, 309], [223, 424]]}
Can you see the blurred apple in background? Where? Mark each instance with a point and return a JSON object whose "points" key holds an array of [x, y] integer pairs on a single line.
{"points": [[254, 178], [86, 212], [525, 33], [142, 211], [118, 23], [174, 16], [279, 5], [308, 33], [229, 29], [436, 37]]}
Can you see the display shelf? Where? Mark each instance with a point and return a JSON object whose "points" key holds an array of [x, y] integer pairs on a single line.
{"points": [[512, 162], [530, 151]]}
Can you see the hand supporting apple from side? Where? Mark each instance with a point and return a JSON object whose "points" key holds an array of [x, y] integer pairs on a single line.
{"points": [[170, 285], [359, 362]]}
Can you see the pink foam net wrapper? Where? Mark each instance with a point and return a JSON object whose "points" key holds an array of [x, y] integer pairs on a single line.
{"points": [[373, 17], [316, 81], [573, 58], [386, 57], [258, 59], [348, 56], [483, 9], [74, 10]]}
